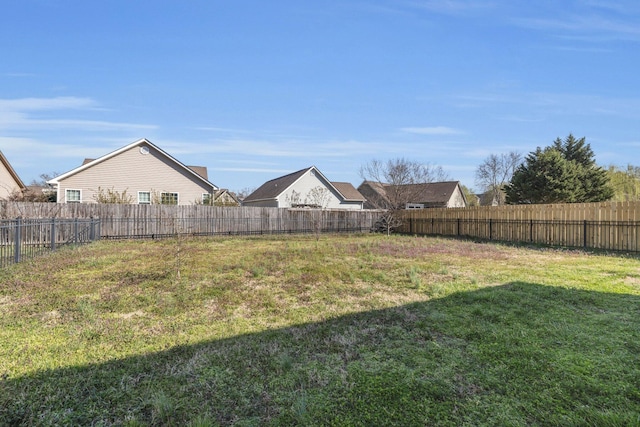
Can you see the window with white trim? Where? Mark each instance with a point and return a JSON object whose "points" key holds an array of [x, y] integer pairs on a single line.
{"points": [[144, 197], [206, 199], [169, 198], [73, 196]]}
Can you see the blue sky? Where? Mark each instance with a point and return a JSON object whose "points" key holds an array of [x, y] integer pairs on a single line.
{"points": [[257, 89]]}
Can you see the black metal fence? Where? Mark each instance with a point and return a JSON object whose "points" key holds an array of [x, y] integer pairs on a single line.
{"points": [[606, 235], [22, 239]]}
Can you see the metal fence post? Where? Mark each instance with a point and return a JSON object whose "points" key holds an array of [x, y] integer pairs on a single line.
{"points": [[490, 228], [92, 230], [531, 230], [16, 240]]}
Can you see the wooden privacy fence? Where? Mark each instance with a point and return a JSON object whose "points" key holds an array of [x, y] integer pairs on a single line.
{"points": [[265, 219], [312, 222], [41, 227], [607, 225]]}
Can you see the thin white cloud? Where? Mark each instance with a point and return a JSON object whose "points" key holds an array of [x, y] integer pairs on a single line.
{"points": [[92, 125], [220, 129], [540, 105], [452, 7], [39, 104], [253, 170], [520, 119], [435, 130], [17, 114], [276, 147], [433, 8], [622, 7], [19, 75], [33, 148], [589, 22]]}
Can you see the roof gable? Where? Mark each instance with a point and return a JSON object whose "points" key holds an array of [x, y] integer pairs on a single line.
{"points": [[273, 188], [11, 171], [198, 172]]}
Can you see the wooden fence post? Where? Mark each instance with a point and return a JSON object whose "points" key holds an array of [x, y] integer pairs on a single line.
{"points": [[16, 240]]}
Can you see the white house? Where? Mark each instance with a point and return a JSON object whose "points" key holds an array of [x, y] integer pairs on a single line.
{"points": [[305, 188]]}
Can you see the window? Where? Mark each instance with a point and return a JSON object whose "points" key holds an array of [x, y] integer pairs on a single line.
{"points": [[144, 198], [73, 196], [206, 199], [169, 198]]}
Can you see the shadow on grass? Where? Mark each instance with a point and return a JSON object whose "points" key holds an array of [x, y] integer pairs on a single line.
{"points": [[517, 354]]}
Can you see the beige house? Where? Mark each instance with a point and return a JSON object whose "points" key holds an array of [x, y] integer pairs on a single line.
{"points": [[224, 197], [447, 194], [10, 182], [306, 188], [140, 173]]}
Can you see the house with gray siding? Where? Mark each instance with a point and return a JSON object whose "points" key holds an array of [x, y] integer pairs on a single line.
{"points": [[10, 182], [139, 173], [306, 188]]}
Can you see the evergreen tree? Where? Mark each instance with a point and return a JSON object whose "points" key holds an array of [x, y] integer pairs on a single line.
{"points": [[565, 172], [575, 150]]}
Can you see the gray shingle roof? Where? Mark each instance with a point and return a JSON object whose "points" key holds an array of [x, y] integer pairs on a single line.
{"points": [[435, 193], [432, 194], [271, 189], [348, 191]]}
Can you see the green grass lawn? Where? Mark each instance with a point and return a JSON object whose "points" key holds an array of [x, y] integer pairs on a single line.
{"points": [[363, 330]]}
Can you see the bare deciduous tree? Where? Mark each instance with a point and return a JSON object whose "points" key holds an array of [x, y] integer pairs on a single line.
{"points": [[112, 196], [495, 172], [391, 185], [318, 197], [244, 192]]}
